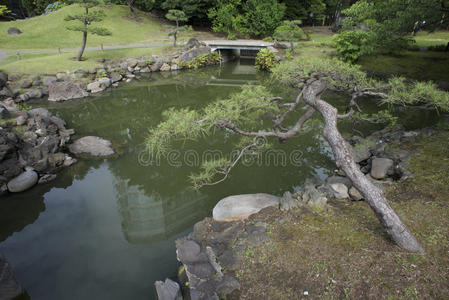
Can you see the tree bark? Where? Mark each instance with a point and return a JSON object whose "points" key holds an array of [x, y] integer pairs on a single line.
{"points": [[345, 160], [131, 8], [83, 46]]}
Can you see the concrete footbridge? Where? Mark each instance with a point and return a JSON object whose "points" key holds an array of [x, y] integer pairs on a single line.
{"points": [[241, 48]]}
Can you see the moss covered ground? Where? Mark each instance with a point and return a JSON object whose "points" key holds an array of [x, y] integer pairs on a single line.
{"points": [[341, 252]]}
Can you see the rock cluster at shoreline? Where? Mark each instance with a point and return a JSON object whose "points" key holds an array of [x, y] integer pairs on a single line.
{"points": [[31, 148], [209, 256], [81, 83]]}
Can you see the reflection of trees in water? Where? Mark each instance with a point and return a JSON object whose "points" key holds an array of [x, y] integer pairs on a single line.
{"points": [[21, 209], [149, 217]]}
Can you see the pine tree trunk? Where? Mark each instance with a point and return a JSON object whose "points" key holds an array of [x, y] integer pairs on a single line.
{"points": [[131, 8], [83, 46], [345, 160], [174, 39]]}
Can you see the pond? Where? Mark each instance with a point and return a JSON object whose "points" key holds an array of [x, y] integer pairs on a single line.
{"points": [[105, 228]]}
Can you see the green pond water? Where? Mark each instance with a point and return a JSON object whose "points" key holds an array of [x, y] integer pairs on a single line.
{"points": [[105, 228]]}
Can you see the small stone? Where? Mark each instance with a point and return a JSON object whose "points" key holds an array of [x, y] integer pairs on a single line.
{"points": [[68, 161], [168, 290], [165, 67], [339, 190], [288, 202], [21, 120], [95, 87], [306, 293], [115, 77], [355, 194], [47, 178], [105, 82], [23, 182], [26, 83], [49, 80], [380, 167]]}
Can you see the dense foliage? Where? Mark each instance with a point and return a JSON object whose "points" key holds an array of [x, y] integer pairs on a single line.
{"points": [[250, 18], [202, 60], [265, 60], [392, 22], [353, 44]]}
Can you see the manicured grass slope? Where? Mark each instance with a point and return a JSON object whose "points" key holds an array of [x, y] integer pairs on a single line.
{"points": [[53, 63], [49, 31]]}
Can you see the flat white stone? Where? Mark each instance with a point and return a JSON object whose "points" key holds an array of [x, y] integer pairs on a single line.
{"points": [[240, 207]]}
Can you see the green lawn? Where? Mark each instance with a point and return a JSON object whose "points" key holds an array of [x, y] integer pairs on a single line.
{"points": [[417, 65], [52, 63], [49, 31], [426, 39]]}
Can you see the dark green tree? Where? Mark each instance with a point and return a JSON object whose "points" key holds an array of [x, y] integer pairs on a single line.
{"points": [[177, 16], [193, 9], [392, 21], [290, 32], [87, 18], [253, 17]]}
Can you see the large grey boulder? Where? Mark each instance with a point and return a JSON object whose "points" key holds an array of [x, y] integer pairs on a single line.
{"points": [[23, 182], [92, 145], [9, 287], [60, 91], [192, 42], [380, 167], [192, 53], [168, 290], [242, 206]]}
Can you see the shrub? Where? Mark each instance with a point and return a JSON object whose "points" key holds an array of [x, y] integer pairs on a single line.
{"points": [[202, 61], [232, 36], [268, 39], [265, 60], [351, 45]]}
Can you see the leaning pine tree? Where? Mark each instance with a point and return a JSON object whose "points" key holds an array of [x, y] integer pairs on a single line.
{"points": [[242, 113], [86, 20]]}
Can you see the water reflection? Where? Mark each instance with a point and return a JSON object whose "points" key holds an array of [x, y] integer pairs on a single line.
{"points": [[148, 217]]}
